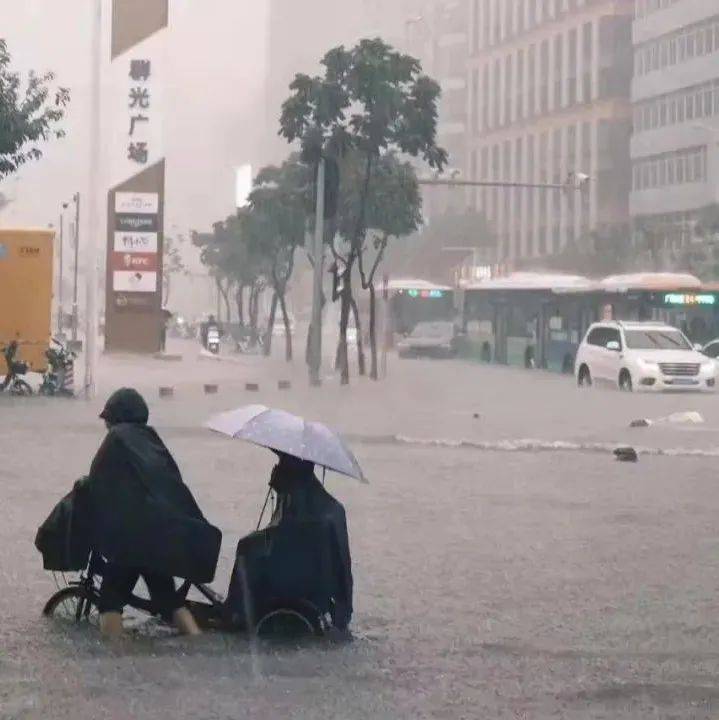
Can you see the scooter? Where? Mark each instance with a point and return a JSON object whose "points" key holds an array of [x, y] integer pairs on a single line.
{"points": [[213, 340], [58, 378], [13, 381]]}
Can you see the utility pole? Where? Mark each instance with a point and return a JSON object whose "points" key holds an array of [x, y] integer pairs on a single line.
{"points": [[76, 200], [60, 310], [318, 253], [385, 325], [95, 228]]}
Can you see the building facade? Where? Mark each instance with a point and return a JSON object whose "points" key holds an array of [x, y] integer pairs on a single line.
{"points": [[675, 92], [549, 95]]}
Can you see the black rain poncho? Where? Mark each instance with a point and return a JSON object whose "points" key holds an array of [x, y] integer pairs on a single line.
{"points": [[303, 554], [133, 508]]}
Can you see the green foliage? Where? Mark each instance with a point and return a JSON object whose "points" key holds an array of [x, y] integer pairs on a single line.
{"points": [[372, 101], [28, 115], [274, 224], [393, 204]]}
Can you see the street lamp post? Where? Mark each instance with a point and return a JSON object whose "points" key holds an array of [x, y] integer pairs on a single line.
{"points": [[95, 227], [60, 303], [315, 357], [76, 200]]}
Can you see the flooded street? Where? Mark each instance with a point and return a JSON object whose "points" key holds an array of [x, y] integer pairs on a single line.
{"points": [[491, 579]]}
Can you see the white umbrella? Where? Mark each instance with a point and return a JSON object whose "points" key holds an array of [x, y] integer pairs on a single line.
{"points": [[290, 434]]}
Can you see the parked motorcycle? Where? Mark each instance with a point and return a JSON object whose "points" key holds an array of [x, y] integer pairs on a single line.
{"points": [[13, 382], [59, 376]]}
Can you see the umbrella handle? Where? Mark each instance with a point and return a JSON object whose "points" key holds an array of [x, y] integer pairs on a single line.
{"points": [[264, 507]]}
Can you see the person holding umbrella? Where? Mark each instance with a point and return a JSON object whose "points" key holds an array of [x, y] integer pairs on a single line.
{"points": [[301, 497], [301, 501]]}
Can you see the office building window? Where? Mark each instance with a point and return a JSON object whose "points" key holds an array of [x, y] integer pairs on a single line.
{"points": [[558, 70], [508, 84], [686, 105], [497, 93], [520, 85], [572, 79], [532, 85], [544, 77], [678, 47], [677, 168]]}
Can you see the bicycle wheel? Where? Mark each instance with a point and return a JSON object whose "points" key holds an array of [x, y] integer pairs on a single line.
{"points": [[72, 604], [20, 388]]}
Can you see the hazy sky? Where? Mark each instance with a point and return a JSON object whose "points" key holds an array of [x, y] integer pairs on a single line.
{"points": [[217, 48]]}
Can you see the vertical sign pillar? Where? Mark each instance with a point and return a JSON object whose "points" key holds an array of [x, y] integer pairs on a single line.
{"points": [[136, 200]]}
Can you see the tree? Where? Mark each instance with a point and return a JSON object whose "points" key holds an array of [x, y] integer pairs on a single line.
{"points": [[172, 264], [372, 100], [28, 115], [393, 210], [275, 228], [231, 263]]}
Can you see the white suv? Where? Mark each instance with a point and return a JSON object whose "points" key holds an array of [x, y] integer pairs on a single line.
{"points": [[642, 356]]}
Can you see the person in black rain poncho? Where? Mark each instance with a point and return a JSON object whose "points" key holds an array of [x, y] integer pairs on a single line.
{"points": [[300, 497], [135, 512], [303, 554]]}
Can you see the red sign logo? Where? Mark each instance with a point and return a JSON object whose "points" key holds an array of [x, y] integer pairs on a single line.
{"points": [[135, 261]]}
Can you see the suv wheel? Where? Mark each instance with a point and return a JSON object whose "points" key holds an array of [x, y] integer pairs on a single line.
{"points": [[584, 379], [625, 381]]}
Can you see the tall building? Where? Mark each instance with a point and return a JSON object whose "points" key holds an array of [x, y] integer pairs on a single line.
{"points": [[438, 34], [675, 165], [549, 96]]}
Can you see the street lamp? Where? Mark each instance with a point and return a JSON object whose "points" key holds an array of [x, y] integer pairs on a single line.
{"points": [[60, 301], [76, 239], [575, 181]]}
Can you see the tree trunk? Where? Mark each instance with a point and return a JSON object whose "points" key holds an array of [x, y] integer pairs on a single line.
{"points": [[360, 344], [167, 290], [373, 373], [288, 332], [270, 325], [346, 299], [240, 300], [253, 314], [225, 296]]}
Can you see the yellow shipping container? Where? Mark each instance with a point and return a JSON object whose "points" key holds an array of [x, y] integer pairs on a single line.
{"points": [[26, 269]]}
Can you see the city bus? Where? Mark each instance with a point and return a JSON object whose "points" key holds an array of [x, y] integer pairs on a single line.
{"points": [[678, 299], [412, 300], [527, 319]]}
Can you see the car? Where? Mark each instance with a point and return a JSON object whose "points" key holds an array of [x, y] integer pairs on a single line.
{"points": [[434, 339], [642, 356]]}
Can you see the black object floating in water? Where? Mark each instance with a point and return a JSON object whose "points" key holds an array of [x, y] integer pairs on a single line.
{"points": [[626, 454]]}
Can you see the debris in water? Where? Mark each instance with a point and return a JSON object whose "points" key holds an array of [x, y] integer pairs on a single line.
{"points": [[626, 454], [680, 418]]}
